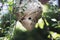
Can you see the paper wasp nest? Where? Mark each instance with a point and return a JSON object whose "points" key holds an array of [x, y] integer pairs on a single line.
{"points": [[29, 13]]}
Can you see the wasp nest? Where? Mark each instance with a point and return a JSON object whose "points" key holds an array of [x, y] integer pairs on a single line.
{"points": [[29, 13]]}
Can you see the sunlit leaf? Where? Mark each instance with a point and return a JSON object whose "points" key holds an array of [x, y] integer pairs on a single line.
{"points": [[41, 23], [54, 34], [53, 19], [36, 26], [46, 22], [10, 8], [20, 26], [45, 7], [10, 3], [5, 38]]}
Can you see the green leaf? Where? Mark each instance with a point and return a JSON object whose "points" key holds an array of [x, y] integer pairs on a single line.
{"points": [[36, 26], [10, 8], [41, 23], [46, 22], [54, 34], [20, 27]]}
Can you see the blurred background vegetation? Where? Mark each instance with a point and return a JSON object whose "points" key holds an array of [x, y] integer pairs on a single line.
{"points": [[47, 28]]}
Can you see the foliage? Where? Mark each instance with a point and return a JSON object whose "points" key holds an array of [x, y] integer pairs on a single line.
{"points": [[47, 28], [52, 20]]}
